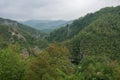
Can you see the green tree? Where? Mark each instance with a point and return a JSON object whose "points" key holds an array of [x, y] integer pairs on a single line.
{"points": [[10, 65], [48, 64]]}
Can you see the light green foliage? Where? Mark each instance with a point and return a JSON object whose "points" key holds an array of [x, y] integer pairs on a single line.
{"points": [[10, 65], [99, 68]]}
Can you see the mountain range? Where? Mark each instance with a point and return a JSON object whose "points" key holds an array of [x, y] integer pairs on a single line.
{"points": [[86, 49], [46, 25]]}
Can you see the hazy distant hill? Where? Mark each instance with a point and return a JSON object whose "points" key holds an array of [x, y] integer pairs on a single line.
{"points": [[46, 25]]}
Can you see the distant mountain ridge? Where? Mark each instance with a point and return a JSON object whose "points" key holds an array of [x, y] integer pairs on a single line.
{"points": [[46, 25]]}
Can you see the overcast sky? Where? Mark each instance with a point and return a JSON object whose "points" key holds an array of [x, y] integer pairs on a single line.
{"points": [[51, 9]]}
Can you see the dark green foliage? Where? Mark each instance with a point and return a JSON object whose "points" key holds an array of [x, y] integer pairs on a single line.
{"points": [[99, 46], [100, 37], [96, 67], [69, 31], [99, 68]]}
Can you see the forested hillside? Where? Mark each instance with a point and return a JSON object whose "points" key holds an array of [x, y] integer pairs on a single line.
{"points": [[12, 32], [87, 49], [94, 46], [69, 31]]}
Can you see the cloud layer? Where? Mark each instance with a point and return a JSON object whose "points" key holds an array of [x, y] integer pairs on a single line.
{"points": [[51, 9]]}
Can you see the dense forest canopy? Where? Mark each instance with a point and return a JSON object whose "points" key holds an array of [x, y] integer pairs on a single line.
{"points": [[87, 49]]}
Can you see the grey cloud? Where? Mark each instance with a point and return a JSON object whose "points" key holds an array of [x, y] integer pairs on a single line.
{"points": [[51, 9]]}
